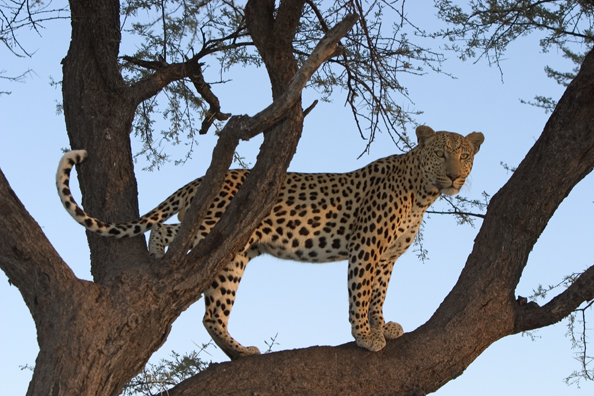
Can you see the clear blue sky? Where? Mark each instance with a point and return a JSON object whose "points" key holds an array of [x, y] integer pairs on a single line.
{"points": [[311, 309]]}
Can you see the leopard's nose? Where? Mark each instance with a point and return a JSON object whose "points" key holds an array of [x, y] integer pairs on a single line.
{"points": [[453, 176]]}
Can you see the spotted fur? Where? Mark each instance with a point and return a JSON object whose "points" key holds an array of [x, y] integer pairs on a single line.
{"points": [[369, 217]]}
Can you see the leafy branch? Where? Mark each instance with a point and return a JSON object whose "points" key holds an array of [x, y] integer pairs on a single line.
{"points": [[369, 65], [15, 15], [179, 34], [18, 78], [490, 26], [576, 329], [459, 207]]}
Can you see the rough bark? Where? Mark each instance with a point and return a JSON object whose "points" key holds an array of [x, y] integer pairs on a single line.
{"points": [[94, 336], [99, 114]]}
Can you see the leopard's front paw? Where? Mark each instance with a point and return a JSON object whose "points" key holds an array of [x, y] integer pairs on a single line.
{"points": [[392, 330], [373, 341]]}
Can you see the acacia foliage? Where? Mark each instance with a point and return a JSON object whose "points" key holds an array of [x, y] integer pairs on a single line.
{"points": [[485, 29], [368, 69]]}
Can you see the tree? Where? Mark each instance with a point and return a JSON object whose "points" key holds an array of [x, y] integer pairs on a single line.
{"points": [[94, 336]]}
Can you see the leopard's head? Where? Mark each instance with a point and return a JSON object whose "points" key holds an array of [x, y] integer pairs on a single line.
{"points": [[447, 157]]}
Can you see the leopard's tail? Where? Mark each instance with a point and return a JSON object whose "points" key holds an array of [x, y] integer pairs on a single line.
{"points": [[118, 230]]}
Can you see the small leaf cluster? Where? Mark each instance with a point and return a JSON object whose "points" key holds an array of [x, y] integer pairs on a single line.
{"points": [[157, 378]]}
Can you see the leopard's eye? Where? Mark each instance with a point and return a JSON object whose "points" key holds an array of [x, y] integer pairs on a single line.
{"points": [[465, 156], [440, 153]]}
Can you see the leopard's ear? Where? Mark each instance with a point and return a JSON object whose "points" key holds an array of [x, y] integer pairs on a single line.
{"points": [[424, 134], [476, 139]]}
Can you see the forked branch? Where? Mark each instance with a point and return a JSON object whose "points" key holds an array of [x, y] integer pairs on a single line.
{"points": [[531, 316]]}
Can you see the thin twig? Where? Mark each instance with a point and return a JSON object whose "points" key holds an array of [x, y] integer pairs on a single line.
{"points": [[458, 213]]}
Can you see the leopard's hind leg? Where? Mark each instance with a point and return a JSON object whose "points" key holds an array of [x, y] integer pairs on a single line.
{"points": [[161, 237], [219, 300]]}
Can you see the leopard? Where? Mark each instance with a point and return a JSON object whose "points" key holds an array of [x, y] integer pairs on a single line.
{"points": [[368, 217]]}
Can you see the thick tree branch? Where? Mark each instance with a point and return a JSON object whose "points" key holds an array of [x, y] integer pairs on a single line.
{"points": [[35, 269], [99, 114], [15, 254], [164, 75], [275, 34], [531, 316]]}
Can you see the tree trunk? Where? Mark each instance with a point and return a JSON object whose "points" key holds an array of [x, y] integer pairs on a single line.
{"points": [[99, 113]]}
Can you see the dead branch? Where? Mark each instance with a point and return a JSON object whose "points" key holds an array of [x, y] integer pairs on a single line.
{"points": [[203, 88]]}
